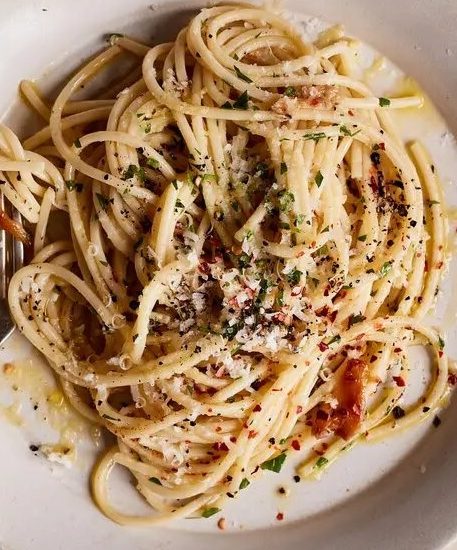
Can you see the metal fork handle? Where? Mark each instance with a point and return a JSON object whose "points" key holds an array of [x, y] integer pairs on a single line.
{"points": [[11, 259], [6, 324]]}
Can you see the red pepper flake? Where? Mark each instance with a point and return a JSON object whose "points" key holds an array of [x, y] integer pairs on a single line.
{"points": [[233, 302], [299, 409], [249, 292], [295, 444], [440, 354], [323, 311], [279, 516], [257, 408], [399, 381], [323, 346], [280, 317], [426, 266], [332, 316], [374, 185], [373, 358], [233, 438], [397, 350], [220, 446], [452, 379], [252, 434], [204, 268]]}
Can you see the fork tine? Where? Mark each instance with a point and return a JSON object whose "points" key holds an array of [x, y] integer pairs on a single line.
{"points": [[2, 254], [18, 247]]}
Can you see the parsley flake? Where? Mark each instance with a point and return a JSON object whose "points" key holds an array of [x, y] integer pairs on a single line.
{"points": [[244, 483], [208, 512], [321, 462], [153, 163], [290, 91], [274, 464], [241, 75], [242, 101], [386, 267]]}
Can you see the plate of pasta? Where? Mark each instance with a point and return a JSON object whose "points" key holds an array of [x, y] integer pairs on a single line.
{"points": [[235, 317]]}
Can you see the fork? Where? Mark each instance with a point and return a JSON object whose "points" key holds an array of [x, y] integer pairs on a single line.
{"points": [[11, 259]]}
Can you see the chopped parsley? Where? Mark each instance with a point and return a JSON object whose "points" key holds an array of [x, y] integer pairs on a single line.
{"points": [[354, 319], [280, 297], [315, 136], [132, 171], [345, 131], [384, 102], [155, 480], [244, 260], [290, 91], [230, 331], [286, 198], [262, 167], [321, 462], [362, 238], [440, 343], [283, 168], [72, 185], [153, 163], [386, 267], [241, 75], [322, 251], [209, 177], [103, 201], [242, 102], [244, 483], [294, 276], [208, 512], [319, 178], [274, 464], [299, 220]]}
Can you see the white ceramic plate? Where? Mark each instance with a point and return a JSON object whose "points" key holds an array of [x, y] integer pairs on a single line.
{"points": [[400, 493]]}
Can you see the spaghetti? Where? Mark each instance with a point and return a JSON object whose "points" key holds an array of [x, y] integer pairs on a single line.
{"points": [[248, 254]]}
